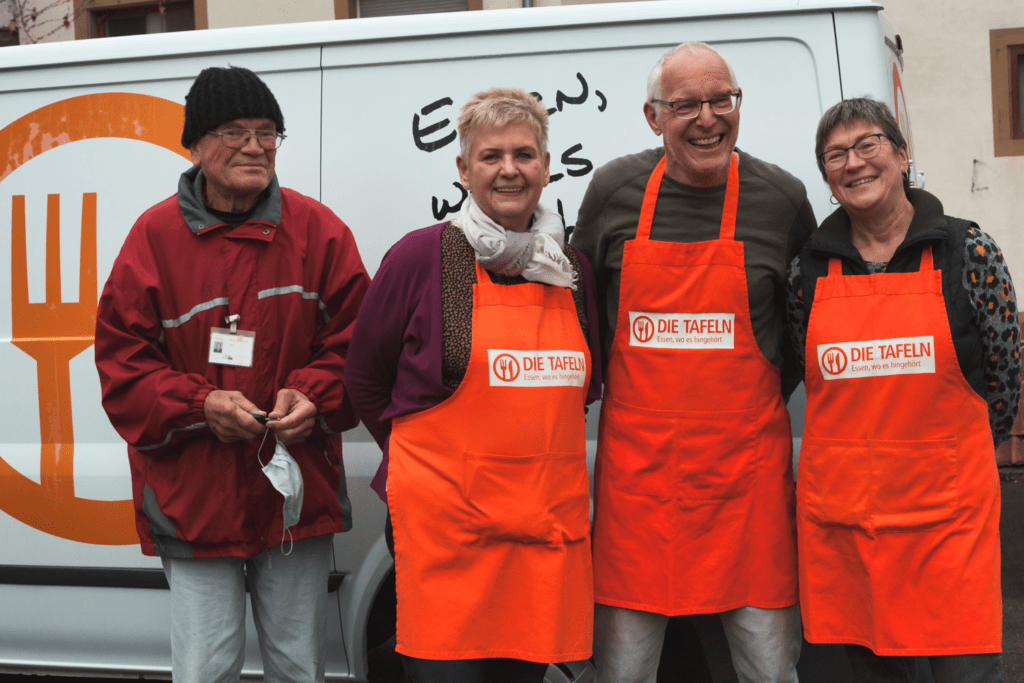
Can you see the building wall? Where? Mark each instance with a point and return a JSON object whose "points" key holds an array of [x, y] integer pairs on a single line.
{"points": [[49, 24], [948, 86], [224, 13]]}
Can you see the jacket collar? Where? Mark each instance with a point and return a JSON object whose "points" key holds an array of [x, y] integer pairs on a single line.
{"points": [[928, 224], [191, 187]]}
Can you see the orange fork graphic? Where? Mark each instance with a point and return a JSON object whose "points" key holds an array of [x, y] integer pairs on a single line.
{"points": [[53, 333]]}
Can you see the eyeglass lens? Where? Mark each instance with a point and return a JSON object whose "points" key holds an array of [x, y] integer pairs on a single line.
{"points": [[239, 137], [690, 109], [865, 149]]}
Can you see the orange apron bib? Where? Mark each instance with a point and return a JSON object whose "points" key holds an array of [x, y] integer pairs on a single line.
{"points": [[694, 499], [489, 494], [898, 492]]}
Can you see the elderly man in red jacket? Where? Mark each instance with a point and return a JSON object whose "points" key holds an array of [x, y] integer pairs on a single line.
{"points": [[221, 339]]}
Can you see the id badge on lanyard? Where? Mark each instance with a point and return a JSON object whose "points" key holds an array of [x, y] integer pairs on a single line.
{"points": [[232, 346]]}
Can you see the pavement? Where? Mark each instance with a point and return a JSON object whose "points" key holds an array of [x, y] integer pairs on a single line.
{"points": [[696, 650]]}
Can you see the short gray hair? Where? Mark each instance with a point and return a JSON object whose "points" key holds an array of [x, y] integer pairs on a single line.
{"points": [[499, 107], [654, 91], [861, 109]]}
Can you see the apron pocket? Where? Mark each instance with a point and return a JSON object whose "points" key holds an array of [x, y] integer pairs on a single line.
{"points": [[679, 454], [637, 449], [879, 486], [541, 498], [715, 455]]}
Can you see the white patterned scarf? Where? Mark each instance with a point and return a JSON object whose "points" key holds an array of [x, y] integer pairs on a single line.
{"points": [[535, 254]]}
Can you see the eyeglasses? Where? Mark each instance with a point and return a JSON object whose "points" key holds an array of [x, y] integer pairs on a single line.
{"points": [[690, 109], [865, 148], [237, 138]]}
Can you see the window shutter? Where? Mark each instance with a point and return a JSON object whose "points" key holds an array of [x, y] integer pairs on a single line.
{"points": [[389, 8]]}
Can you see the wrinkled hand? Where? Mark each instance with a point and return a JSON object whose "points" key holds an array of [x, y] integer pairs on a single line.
{"points": [[228, 414], [292, 416]]}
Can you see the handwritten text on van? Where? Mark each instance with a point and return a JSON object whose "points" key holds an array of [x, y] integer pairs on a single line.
{"points": [[877, 358], [429, 136], [682, 330]]}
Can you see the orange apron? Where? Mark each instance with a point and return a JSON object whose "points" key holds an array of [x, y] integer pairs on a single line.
{"points": [[489, 495], [694, 499], [898, 493]]}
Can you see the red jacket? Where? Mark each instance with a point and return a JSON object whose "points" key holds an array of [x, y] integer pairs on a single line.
{"points": [[293, 274]]}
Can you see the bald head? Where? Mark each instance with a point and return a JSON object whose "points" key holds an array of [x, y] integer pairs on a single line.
{"points": [[683, 51]]}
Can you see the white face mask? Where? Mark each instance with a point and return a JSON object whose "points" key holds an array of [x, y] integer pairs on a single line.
{"points": [[285, 476]]}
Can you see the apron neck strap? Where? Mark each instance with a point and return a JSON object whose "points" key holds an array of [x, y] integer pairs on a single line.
{"points": [[482, 276], [732, 196], [643, 228], [835, 266], [927, 260]]}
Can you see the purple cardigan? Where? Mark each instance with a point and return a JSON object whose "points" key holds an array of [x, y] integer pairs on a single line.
{"points": [[393, 366]]}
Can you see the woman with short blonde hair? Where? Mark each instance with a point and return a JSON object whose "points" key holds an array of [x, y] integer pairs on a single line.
{"points": [[472, 359]]}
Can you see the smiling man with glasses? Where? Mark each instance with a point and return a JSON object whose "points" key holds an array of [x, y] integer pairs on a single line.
{"points": [[694, 504], [221, 338]]}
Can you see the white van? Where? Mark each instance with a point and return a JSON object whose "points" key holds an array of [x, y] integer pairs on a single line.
{"points": [[89, 137]]}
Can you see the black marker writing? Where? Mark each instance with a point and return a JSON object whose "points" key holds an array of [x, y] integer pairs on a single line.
{"points": [[561, 98], [540, 98], [419, 133], [447, 208], [569, 160], [568, 228]]}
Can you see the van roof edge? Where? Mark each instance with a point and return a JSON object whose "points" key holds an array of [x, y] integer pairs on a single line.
{"points": [[341, 32]]}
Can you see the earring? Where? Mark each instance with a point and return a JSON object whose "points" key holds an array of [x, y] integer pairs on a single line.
{"points": [[832, 200]]}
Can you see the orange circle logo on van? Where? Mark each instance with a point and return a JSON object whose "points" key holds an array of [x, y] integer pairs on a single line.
{"points": [[54, 332]]}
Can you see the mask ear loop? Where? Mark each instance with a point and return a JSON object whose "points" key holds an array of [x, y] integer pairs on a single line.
{"points": [[258, 458], [291, 539], [291, 542]]}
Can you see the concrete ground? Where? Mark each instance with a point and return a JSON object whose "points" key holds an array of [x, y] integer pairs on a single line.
{"points": [[696, 650]]}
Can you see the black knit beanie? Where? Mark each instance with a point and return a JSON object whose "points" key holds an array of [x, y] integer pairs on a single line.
{"points": [[221, 95]]}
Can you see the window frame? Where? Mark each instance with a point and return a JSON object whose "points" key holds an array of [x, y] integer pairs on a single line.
{"points": [[101, 15], [90, 14], [1006, 45], [1015, 53]]}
